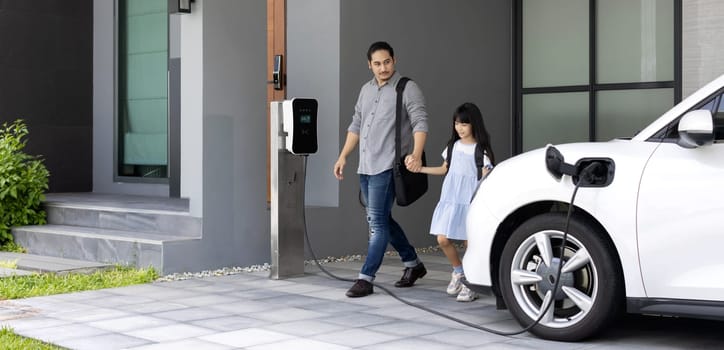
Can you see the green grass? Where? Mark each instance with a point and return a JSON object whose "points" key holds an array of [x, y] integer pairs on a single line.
{"points": [[9, 264], [18, 287], [11, 341], [11, 247]]}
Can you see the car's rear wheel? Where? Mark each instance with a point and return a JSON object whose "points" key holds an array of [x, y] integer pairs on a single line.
{"points": [[590, 290]]}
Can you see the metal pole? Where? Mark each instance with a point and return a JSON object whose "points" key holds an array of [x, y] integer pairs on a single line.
{"points": [[287, 203]]}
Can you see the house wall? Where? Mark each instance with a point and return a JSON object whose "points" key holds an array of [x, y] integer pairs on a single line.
{"points": [[235, 124], [313, 67], [224, 101], [223, 132], [702, 32], [459, 52], [46, 80]]}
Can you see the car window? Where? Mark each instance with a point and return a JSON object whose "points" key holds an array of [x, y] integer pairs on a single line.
{"points": [[719, 120]]}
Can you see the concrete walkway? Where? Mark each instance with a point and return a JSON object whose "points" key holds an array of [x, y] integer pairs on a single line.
{"points": [[250, 311]]}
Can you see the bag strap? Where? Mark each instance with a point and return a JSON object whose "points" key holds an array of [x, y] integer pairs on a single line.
{"points": [[479, 158], [398, 115], [448, 159]]}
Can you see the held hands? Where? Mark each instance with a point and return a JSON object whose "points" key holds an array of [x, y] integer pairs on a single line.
{"points": [[413, 164]]}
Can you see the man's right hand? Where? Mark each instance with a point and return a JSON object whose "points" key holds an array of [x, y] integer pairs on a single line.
{"points": [[339, 167]]}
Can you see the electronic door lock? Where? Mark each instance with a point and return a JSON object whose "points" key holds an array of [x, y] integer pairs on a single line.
{"points": [[278, 73]]}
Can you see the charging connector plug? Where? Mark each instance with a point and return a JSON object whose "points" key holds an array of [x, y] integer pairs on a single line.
{"points": [[594, 172], [591, 172]]}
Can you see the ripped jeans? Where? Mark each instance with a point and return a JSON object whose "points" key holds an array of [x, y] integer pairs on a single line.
{"points": [[378, 194]]}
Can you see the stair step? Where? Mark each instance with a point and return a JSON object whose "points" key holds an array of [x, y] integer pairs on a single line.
{"points": [[103, 233], [166, 216], [109, 246], [119, 201], [28, 263]]}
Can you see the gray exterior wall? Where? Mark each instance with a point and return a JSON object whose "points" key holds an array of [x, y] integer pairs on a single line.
{"points": [[327, 41], [46, 80], [313, 50], [235, 130], [457, 52], [224, 90], [702, 34]]}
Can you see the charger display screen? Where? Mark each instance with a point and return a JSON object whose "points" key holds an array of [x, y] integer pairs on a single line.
{"points": [[303, 129]]}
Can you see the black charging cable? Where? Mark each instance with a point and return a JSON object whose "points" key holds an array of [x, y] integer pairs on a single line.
{"points": [[585, 176]]}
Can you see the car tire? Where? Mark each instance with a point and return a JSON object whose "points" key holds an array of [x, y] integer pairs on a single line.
{"points": [[590, 291]]}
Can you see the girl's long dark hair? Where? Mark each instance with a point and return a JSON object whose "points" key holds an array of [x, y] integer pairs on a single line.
{"points": [[469, 113]]}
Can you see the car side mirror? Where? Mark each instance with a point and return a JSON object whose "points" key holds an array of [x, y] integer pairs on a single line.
{"points": [[696, 128]]}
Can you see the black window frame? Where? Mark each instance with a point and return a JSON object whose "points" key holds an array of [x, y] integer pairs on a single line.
{"points": [[592, 88]]}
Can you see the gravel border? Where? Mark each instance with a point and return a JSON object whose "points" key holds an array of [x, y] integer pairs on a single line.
{"points": [[226, 271]]}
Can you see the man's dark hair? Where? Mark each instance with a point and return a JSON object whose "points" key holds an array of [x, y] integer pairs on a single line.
{"points": [[380, 45]]}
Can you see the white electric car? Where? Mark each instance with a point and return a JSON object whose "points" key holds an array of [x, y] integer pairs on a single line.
{"points": [[645, 235]]}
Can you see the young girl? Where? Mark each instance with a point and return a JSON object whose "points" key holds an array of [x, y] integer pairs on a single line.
{"points": [[470, 159]]}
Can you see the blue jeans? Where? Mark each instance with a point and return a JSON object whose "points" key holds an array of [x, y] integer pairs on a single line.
{"points": [[378, 194]]}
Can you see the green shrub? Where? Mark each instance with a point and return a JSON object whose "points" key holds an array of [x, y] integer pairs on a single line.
{"points": [[23, 181]]}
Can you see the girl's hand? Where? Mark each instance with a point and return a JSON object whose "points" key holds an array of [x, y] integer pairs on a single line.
{"points": [[413, 164], [487, 170]]}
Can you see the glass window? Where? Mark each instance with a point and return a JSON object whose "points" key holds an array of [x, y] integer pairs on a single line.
{"points": [[142, 88], [623, 113], [635, 40], [554, 119], [551, 28], [718, 116], [630, 79]]}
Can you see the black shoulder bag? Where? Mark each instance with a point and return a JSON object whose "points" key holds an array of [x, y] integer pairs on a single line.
{"points": [[409, 186]]}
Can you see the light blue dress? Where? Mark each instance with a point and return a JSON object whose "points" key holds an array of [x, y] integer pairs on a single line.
{"points": [[457, 189]]}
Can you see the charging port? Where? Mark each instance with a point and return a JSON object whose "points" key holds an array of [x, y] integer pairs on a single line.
{"points": [[594, 172]]}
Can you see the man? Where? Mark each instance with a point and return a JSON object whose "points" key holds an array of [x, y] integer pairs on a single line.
{"points": [[373, 127]]}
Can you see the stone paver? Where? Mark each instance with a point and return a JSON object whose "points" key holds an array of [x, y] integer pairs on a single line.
{"points": [[250, 311]]}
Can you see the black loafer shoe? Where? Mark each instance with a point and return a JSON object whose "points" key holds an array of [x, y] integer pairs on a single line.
{"points": [[360, 288], [411, 275]]}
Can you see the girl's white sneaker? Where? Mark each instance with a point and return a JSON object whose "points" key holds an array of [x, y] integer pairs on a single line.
{"points": [[455, 284], [466, 295]]}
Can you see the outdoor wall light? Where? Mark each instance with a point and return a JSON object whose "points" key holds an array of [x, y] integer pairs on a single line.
{"points": [[179, 6]]}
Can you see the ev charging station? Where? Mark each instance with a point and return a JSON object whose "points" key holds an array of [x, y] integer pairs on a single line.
{"points": [[293, 136]]}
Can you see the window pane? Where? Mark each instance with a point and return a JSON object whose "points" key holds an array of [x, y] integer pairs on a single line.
{"points": [[555, 43], [142, 88], [635, 41], [554, 118], [718, 116], [623, 113]]}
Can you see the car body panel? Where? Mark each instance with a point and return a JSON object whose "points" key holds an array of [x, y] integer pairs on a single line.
{"points": [[660, 211], [679, 242], [505, 190]]}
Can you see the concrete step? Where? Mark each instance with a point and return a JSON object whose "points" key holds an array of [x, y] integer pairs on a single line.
{"points": [[108, 246], [164, 216], [31, 263]]}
